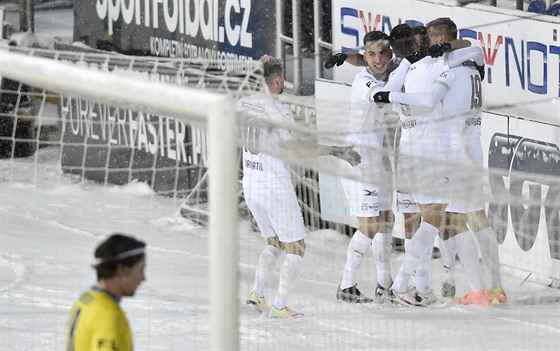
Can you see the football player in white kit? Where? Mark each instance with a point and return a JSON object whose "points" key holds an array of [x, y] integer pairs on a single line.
{"points": [[464, 123], [369, 198], [455, 96], [268, 188]]}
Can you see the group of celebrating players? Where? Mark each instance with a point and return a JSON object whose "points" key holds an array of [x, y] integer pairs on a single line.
{"points": [[434, 81]]}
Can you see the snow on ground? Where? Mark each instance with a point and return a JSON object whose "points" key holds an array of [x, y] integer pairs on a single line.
{"points": [[51, 222]]}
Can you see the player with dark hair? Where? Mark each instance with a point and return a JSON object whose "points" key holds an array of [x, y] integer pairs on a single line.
{"points": [[268, 188], [369, 201], [97, 321], [421, 40], [438, 101]]}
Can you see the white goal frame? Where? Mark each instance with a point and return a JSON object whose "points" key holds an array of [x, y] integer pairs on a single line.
{"points": [[183, 103]]}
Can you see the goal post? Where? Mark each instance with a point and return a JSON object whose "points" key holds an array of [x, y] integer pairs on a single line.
{"points": [[182, 102]]}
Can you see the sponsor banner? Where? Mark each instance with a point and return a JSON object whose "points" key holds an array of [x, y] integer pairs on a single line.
{"points": [[526, 191], [116, 145], [195, 29], [525, 152], [522, 54]]}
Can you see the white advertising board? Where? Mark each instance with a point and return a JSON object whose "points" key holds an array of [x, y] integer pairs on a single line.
{"points": [[522, 53]]}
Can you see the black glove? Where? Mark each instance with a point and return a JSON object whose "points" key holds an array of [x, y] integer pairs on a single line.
{"points": [[415, 57], [381, 97], [335, 59], [481, 71], [347, 154], [439, 49]]}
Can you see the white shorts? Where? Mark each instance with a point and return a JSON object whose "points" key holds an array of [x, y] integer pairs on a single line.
{"points": [[426, 182], [466, 185], [406, 203], [365, 200], [276, 211]]}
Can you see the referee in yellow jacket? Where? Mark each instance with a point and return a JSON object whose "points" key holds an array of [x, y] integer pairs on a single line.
{"points": [[97, 321]]}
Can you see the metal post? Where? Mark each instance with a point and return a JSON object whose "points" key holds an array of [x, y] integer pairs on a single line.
{"points": [[519, 4], [223, 222], [2, 22], [279, 29], [319, 38], [26, 16], [296, 47]]}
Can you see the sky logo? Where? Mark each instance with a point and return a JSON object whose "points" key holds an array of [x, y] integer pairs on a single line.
{"points": [[525, 62]]}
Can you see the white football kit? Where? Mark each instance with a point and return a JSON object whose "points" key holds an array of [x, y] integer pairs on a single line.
{"points": [[405, 201], [422, 142], [267, 183], [464, 151], [461, 119], [366, 130]]}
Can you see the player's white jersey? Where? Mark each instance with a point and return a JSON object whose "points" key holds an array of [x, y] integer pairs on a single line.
{"points": [[367, 121], [464, 153], [422, 130], [463, 116], [366, 124], [258, 166]]}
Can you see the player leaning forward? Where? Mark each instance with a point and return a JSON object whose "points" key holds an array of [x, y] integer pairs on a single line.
{"points": [[369, 198], [267, 184]]}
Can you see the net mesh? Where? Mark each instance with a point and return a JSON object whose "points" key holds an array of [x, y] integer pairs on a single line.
{"points": [[52, 138]]}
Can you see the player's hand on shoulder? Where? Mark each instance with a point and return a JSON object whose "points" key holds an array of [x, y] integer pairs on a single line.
{"points": [[381, 97], [347, 154], [335, 59], [439, 49]]}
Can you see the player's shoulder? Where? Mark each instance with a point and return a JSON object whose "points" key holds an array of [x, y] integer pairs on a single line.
{"points": [[364, 79], [99, 297], [255, 104]]}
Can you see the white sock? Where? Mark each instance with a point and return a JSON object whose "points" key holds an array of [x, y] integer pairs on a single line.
{"points": [[468, 254], [423, 273], [421, 242], [267, 259], [448, 253], [288, 275], [382, 245], [406, 245], [412, 279], [490, 254], [357, 248]]}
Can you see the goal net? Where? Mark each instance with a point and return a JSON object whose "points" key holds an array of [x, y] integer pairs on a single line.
{"points": [[95, 142]]}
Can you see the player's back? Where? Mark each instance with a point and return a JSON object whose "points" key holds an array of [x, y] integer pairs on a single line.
{"points": [[462, 105], [264, 134]]}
